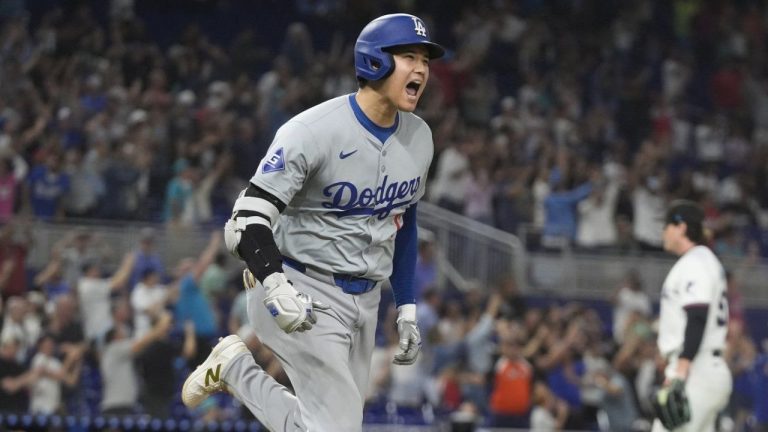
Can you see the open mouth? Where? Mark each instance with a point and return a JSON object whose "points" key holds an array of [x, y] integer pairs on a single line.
{"points": [[412, 88]]}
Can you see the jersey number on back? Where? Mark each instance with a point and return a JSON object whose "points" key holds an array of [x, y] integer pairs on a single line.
{"points": [[722, 311]]}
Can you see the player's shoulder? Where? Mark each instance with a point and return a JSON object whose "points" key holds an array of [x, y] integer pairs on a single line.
{"points": [[413, 122], [700, 257], [314, 116], [699, 253]]}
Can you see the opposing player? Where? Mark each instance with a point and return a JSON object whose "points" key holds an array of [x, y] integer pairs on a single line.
{"points": [[693, 323], [329, 215]]}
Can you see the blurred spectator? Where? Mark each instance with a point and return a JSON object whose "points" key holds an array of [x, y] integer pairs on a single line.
{"points": [[404, 387], [15, 242], [75, 249], [649, 204], [596, 225], [86, 185], [238, 313], [146, 257], [214, 279], [94, 291], [148, 299], [121, 178], [478, 192], [50, 280], [46, 393], [560, 222], [451, 176], [614, 397], [426, 265], [510, 399], [118, 374], [192, 304], [47, 187], [13, 171], [158, 371], [513, 305], [760, 396], [427, 314], [480, 349], [21, 327], [549, 412], [740, 354], [735, 298], [629, 303], [15, 379], [67, 331]]}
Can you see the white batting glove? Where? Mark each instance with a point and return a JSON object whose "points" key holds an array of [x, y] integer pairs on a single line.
{"points": [[292, 310], [409, 336]]}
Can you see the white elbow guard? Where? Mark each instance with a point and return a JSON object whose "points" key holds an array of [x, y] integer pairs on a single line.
{"points": [[261, 212]]}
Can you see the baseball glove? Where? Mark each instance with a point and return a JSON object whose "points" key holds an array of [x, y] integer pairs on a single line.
{"points": [[671, 405]]}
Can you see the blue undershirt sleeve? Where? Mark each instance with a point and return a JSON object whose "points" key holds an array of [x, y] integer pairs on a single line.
{"points": [[404, 261]]}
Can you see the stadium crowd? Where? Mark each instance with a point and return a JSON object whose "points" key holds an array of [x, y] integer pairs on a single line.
{"points": [[575, 121]]}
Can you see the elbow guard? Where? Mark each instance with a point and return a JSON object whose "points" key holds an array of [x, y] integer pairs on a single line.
{"points": [[248, 234]]}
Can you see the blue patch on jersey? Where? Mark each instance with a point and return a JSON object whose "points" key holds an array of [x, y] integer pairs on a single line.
{"points": [[276, 162], [273, 310]]}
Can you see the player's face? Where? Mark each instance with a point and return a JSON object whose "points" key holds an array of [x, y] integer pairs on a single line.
{"points": [[672, 235], [406, 84]]}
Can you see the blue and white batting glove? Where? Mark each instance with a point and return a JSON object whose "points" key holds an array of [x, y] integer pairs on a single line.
{"points": [[292, 310], [409, 336]]}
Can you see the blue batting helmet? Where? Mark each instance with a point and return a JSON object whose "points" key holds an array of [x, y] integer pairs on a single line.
{"points": [[372, 62]]}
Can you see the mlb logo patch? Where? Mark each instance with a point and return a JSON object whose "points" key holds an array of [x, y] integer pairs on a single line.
{"points": [[276, 162]]}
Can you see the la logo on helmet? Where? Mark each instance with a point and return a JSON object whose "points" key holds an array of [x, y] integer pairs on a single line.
{"points": [[419, 28]]}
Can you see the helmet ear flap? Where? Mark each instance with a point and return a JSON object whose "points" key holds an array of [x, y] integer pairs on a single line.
{"points": [[373, 64]]}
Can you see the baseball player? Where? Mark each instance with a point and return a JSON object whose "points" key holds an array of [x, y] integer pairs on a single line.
{"points": [[693, 321], [327, 217]]}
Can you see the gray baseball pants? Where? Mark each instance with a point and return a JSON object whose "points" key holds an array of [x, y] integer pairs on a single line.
{"points": [[329, 366]]}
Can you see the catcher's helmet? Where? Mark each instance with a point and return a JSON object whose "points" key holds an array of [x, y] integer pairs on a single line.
{"points": [[372, 62]]}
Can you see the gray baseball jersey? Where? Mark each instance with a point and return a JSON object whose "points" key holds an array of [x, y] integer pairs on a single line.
{"points": [[345, 191]]}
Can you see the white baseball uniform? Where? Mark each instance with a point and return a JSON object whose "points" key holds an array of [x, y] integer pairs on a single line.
{"points": [[696, 279], [346, 193]]}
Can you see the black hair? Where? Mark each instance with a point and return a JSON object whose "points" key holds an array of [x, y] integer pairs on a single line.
{"points": [[110, 336], [695, 232], [147, 273]]}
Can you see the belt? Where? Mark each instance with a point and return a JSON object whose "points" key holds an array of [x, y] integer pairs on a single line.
{"points": [[714, 353], [348, 283]]}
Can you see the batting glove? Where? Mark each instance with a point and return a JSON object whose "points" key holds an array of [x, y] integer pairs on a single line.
{"points": [[408, 332], [292, 310], [671, 405]]}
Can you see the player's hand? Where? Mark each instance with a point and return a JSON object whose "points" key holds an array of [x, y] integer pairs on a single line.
{"points": [[671, 404], [292, 310], [409, 336]]}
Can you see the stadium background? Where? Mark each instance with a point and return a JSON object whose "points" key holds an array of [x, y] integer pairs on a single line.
{"points": [[562, 130]]}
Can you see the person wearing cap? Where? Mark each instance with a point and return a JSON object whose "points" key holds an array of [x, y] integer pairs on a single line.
{"points": [[146, 257], [693, 322], [327, 218]]}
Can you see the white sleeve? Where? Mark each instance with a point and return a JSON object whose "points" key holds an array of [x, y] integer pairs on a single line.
{"points": [[695, 284], [288, 162], [140, 301]]}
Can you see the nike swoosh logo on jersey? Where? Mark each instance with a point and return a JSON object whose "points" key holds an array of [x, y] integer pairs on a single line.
{"points": [[343, 155]]}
